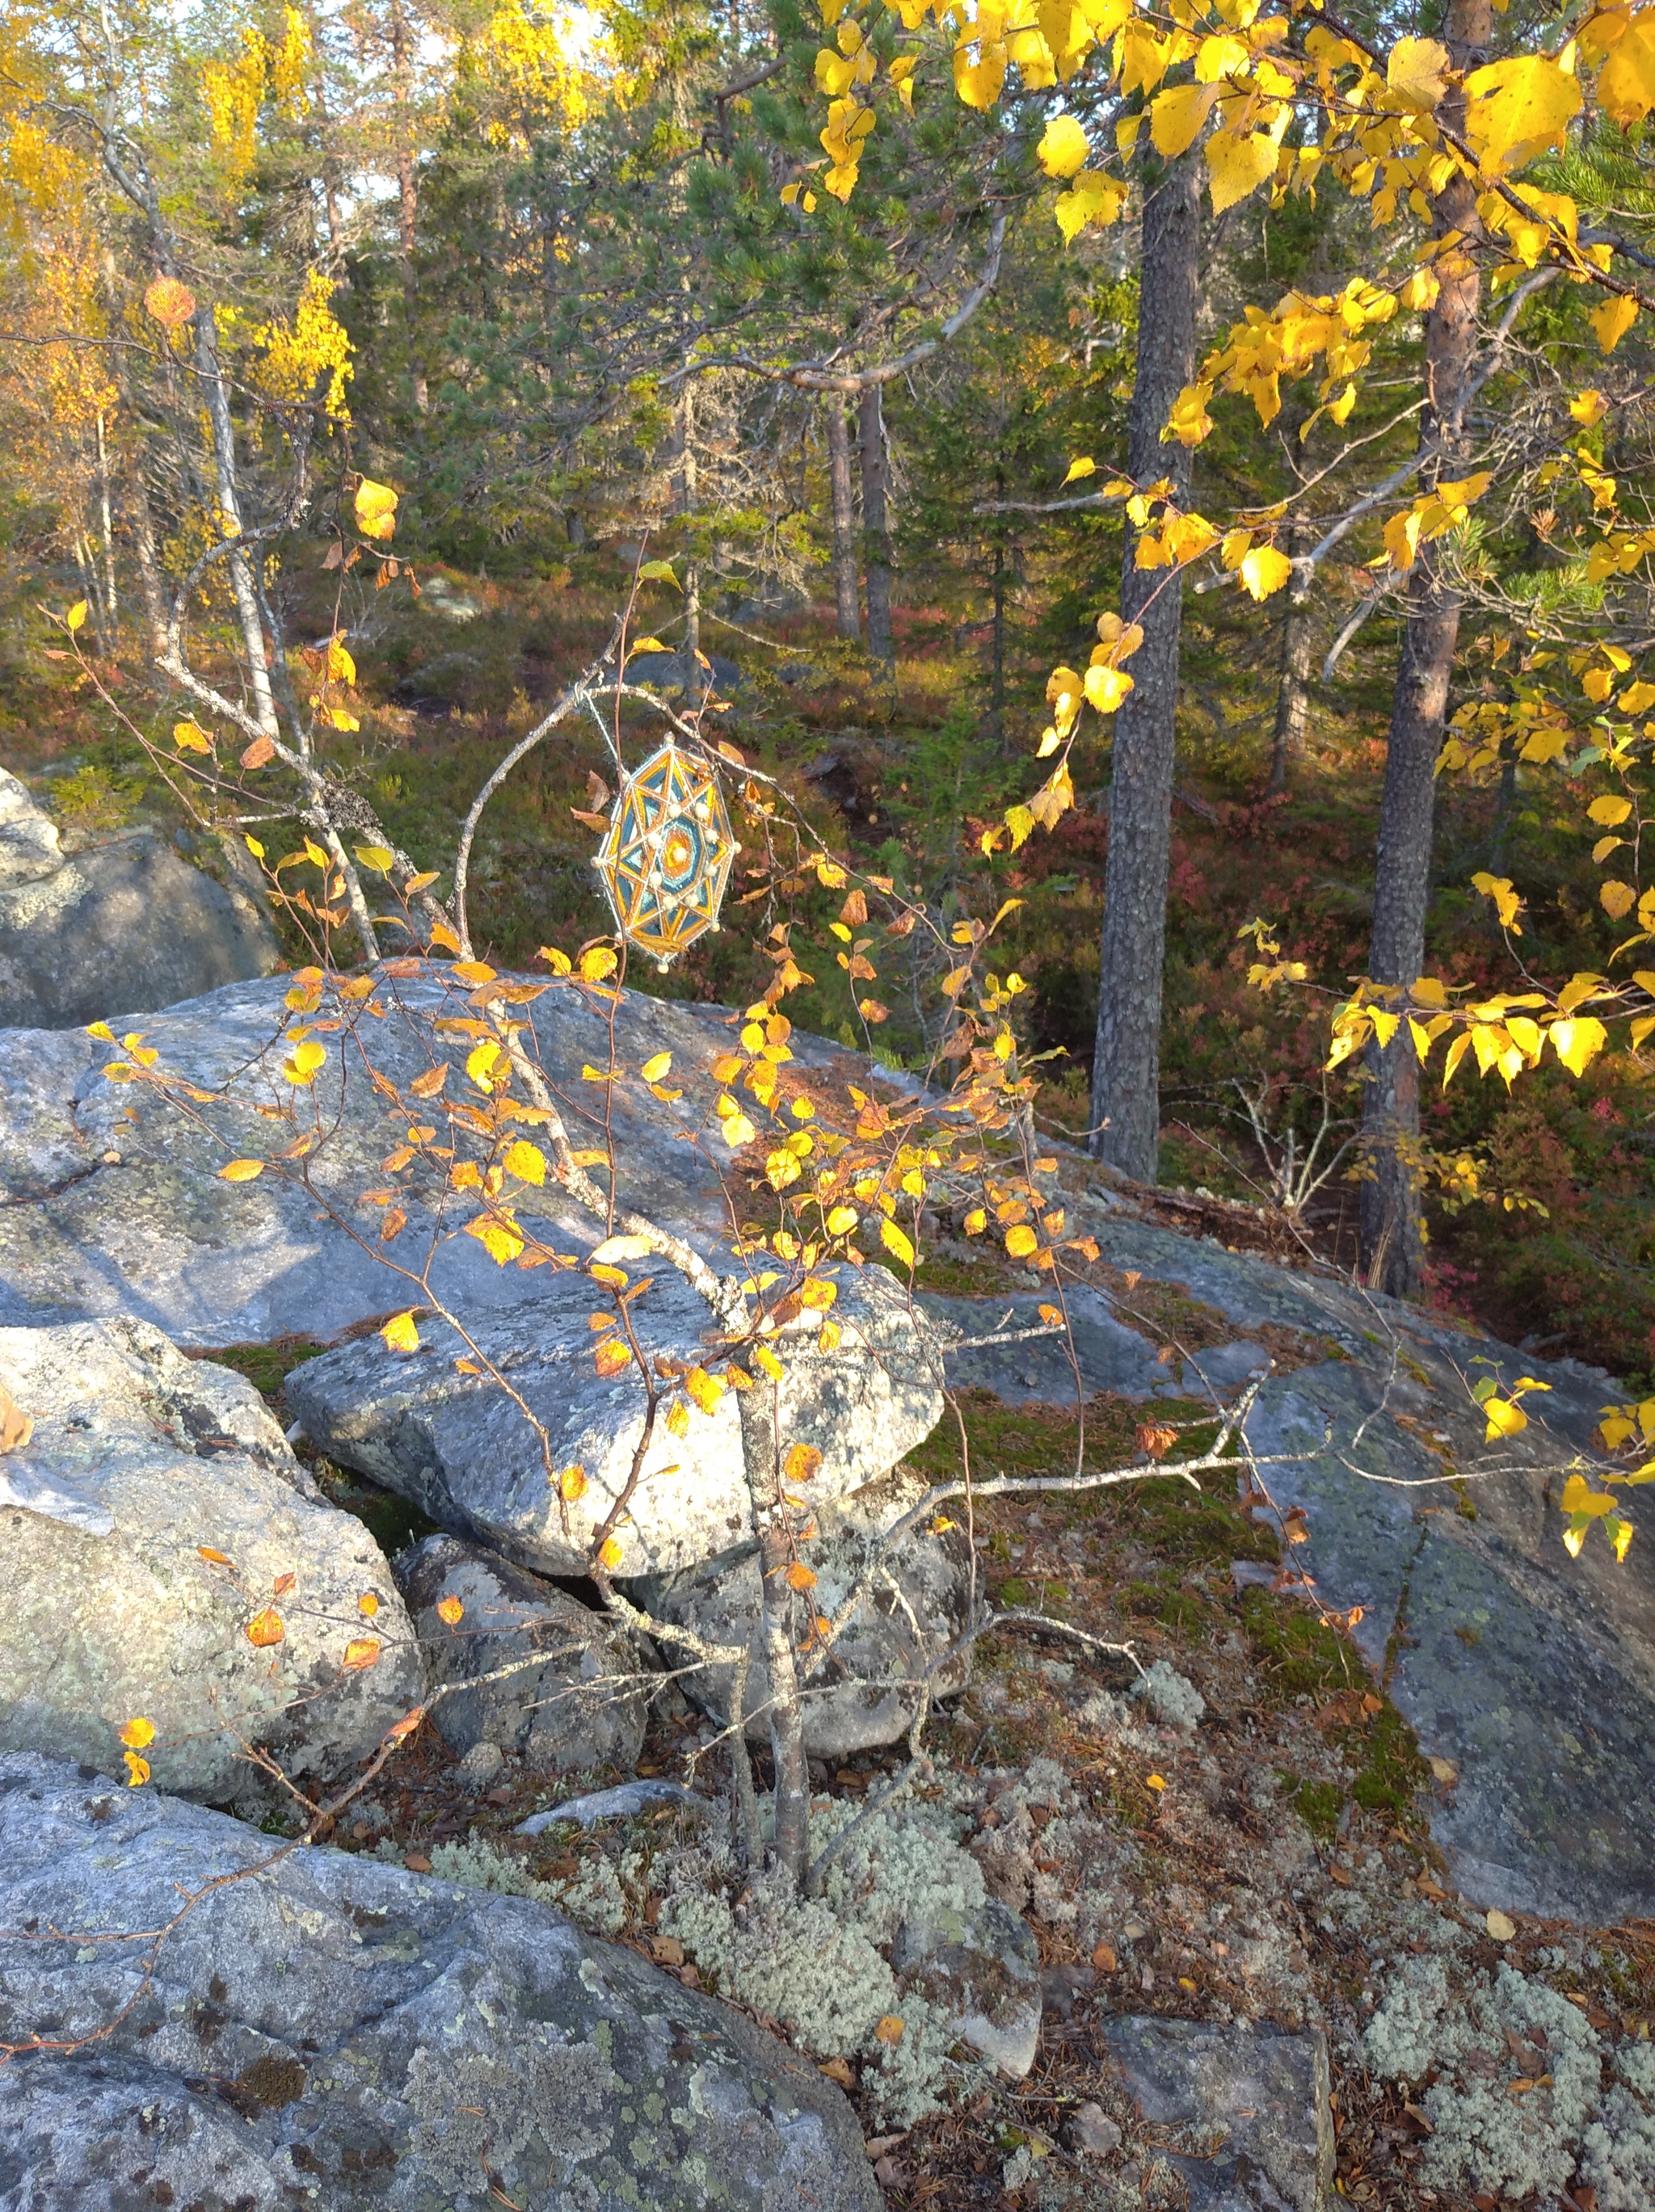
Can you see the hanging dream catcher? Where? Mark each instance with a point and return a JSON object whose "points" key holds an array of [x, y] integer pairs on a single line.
{"points": [[666, 856]]}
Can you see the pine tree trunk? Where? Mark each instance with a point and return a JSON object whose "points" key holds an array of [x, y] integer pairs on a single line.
{"points": [[876, 529], [1393, 1243], [407, 191], [1125, 1069], [792, 1801], [847, 621], [1292, 698]]}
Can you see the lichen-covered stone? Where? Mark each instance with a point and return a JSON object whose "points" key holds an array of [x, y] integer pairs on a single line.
{"points": [[916, 1606], [583, 1705], [154, 1512], [115, 929], [1254, 2133], [334, 2033]]}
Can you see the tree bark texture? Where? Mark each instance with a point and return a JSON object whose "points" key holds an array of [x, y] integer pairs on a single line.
{"points": [[761, 1453], [876, 527], [847, 616], [1292, 698], [1126, 1067], [1393, 1243]]}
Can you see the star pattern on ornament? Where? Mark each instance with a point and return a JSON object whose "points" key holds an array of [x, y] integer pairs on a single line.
{"points": [[665, 857]]}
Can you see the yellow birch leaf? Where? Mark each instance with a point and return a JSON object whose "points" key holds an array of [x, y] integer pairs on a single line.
{"points": [[1576, 1040], [1612, 320], [1021, 1241], [572, 1484], [1419, 69], [450, 1610], [896, 1243], [1515, 107], [138, 1733], [525, 1161], [266, 1628], [1626, 83], [376, 509], [1504, 1418], [1175, 117], [611, 1356], [1616, 898], [361, 1653], [241, 1170], [1063, 148], [1265, 570], [1608, 810], [502, 1243], [1237, 166], [400, 1334]]}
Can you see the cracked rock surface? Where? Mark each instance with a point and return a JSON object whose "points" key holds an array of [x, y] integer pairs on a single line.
{"points": [[156, 1512], [332, 2031]]}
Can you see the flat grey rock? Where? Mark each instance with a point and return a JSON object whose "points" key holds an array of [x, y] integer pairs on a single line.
{"points": [[623, 1803], [156, 1512], [1250, 2110], [915, 1607], [116, 930], [335, 2032], [584, 1701], [1531, 1674]]}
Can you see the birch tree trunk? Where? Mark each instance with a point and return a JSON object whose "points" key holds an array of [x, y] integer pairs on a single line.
{"points": [[759, 1445], [1292, 698], [1392, 1229], [1126, 1065]]}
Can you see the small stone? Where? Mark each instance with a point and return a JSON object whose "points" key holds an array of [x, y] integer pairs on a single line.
{"points": [[1091, 2133], [481, 1764], [1500, 1925]]}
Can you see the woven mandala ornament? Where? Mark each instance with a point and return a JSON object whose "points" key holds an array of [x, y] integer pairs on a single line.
{"points": [[666, 856]]}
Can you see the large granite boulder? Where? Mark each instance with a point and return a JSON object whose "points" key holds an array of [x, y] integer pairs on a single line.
{"points": [[121, 1214], [865, 1691], [154, 1517], [536, 1671], [1529, 1676], [317, 2029], [114, 929], [462, 1450]]}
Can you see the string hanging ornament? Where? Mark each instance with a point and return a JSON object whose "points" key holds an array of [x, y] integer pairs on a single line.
{"points": [[665, 859]]}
